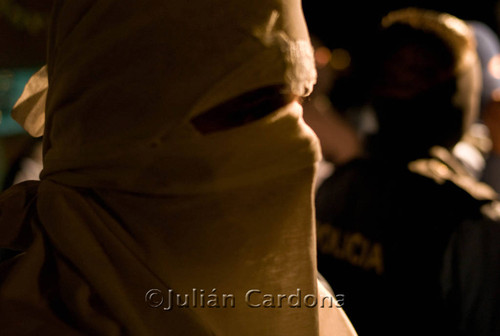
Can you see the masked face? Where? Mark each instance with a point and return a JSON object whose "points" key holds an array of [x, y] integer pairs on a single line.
{"points": [[175, 149]]}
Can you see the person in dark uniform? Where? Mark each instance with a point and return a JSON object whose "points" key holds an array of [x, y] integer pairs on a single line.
{"points": [[405, 233]]}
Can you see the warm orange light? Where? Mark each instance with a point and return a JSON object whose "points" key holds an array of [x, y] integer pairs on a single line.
{"points": [[494, 66], [341, 59], [322, 56], [495, 95]]}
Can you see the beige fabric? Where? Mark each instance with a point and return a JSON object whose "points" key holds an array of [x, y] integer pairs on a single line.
{"points": [[333, 320], [29, 110], [132, 198]]}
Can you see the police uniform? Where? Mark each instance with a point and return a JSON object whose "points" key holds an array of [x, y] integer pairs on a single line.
{"points": [[394, 240]]}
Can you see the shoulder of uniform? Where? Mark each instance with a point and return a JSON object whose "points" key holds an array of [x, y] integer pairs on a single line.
{"points": [[431, 168], [491, 210], [443, 168]]}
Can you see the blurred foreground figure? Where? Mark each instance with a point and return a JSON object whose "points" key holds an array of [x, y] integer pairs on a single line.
{"points": [[176, 193], [405, 233]]}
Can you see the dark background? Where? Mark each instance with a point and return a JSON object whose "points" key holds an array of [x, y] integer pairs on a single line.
{"points": [[23, 28], [350, 25]]}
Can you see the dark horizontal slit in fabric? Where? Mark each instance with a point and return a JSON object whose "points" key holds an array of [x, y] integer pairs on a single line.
{"points": [[242, 110]]}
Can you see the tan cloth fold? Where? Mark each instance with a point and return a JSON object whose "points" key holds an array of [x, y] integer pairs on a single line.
{"points": [[134, 201], [29, 110]]}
